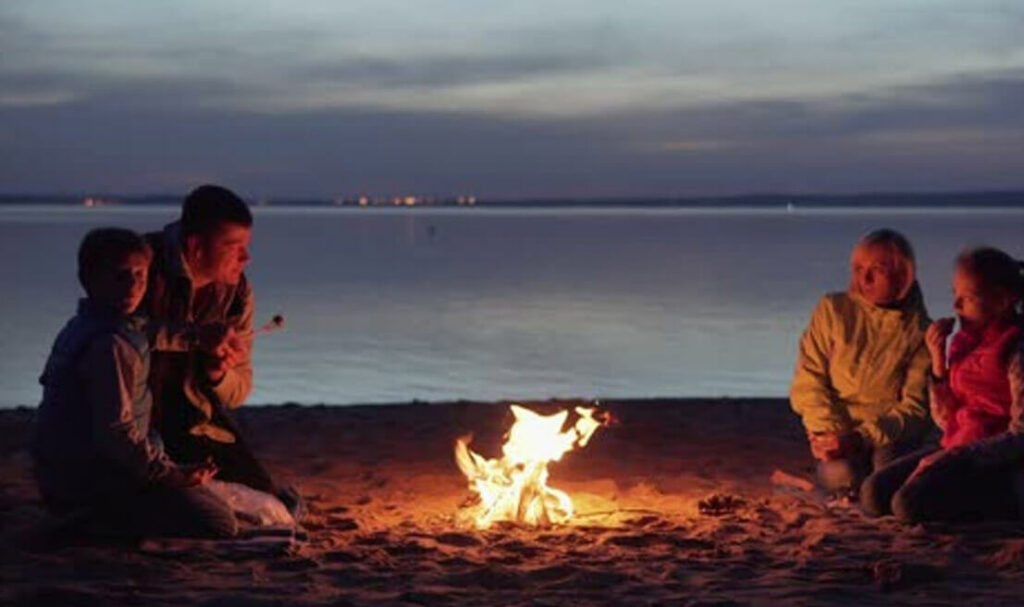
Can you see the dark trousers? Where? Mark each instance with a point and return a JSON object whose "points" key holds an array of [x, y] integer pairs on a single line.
{"points": [[175, 415], [877, 491], [172, 512], [957, 487], [119, 507], [236, 460], [844, 476]]}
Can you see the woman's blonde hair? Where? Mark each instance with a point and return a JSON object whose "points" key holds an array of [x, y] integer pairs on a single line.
{"points": [[901, 255]]}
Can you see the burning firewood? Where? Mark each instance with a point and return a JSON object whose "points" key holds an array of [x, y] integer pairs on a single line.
{"points": [[514, 487]]}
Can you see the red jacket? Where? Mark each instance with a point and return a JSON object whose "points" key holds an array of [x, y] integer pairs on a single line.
{"points": [[975, 401]]}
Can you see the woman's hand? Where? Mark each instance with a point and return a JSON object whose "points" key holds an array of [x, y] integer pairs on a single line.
{"points": [[828, 446]]}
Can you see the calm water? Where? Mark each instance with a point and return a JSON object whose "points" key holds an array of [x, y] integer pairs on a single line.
{"points": [[388, 305]]}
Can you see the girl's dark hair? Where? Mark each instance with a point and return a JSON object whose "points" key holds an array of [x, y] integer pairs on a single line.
{"points": [[995, 269], [103, 248]]}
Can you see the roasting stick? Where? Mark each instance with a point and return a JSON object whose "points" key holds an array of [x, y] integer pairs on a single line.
{"points": [[274, 324]]}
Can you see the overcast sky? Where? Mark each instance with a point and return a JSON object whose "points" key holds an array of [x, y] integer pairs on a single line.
{"points": [[511, 99]]}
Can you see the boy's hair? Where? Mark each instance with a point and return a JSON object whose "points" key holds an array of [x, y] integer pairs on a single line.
{"points": [[103, 248], [208, 207], [899, 248], [995, 269]]}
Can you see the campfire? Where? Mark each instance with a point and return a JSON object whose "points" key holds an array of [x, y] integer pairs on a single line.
{"points": [[514, 487]]}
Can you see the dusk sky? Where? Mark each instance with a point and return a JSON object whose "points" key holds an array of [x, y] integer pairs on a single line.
{"points": [[512, 100]]}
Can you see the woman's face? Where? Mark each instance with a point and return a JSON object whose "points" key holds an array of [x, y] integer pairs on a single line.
{"points": [[878, 276]]}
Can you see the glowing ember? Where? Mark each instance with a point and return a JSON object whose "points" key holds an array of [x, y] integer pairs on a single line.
{"points": [[514, 488]]}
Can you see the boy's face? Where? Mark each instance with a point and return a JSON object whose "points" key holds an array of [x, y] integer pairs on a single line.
{"points": [[220, 256], [121, 287], [877, 276]]}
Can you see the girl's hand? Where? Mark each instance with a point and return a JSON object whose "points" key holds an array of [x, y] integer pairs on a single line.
{"points": [[935, 339], [940, 415]]}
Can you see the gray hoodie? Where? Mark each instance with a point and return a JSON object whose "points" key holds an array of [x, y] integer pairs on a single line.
{"points": [[94, 419]]}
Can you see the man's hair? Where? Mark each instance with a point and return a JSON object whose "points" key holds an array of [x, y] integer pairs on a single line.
{"points": [[104, 248], [208, 207]]}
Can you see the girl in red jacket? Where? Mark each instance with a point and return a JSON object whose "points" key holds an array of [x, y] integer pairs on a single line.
{"points": [[977, 399]]}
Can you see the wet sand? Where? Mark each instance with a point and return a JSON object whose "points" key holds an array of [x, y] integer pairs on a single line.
{"points": [[384, 527]]}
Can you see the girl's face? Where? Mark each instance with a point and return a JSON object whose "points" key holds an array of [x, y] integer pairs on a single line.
{"points": [[877, 275], [975, 305]]}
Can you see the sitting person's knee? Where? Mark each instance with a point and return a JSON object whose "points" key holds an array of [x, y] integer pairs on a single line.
{"points": [[906, 507], [872, 500], [222, 527]]}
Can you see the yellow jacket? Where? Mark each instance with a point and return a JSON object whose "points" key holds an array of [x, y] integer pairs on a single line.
{"points": [[864, 368]]}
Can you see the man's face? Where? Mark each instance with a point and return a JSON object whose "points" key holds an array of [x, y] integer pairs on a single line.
{"points": [[222, 255], [122, 287]]}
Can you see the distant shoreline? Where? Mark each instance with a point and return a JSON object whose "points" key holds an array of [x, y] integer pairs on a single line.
{"points": [[884, 200]]}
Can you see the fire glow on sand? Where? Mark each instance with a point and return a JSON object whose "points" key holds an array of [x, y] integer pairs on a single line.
{"points": [[514, 487]]}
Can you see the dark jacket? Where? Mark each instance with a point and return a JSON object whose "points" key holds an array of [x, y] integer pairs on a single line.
{"points": [[175, 309]]}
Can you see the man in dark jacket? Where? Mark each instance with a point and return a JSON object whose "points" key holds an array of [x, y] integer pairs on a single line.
{"points": [[201, 309]]}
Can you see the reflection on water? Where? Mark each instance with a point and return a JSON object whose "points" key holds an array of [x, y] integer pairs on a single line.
{"points": [[454, 303]]}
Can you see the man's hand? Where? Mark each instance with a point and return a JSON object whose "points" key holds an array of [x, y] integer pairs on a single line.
{"points": [[200, 474], [935, 338], [828, 446], [194, 475], [228, 353], [211, 336]]}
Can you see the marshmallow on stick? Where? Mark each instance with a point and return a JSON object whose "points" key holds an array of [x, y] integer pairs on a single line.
{"points": [[274, 324]]}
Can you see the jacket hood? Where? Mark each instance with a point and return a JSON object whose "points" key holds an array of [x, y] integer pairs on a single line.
{"points": [[911, 304], [174, 257]]}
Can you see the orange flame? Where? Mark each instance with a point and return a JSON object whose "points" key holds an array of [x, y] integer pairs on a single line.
{"points": [[514, 487]]}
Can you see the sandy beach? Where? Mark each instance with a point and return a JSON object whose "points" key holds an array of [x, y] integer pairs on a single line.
{"points": [[384, 527]]}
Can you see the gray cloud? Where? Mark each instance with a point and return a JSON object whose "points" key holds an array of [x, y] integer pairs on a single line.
{"points": [[443, 71], [964, 133]]}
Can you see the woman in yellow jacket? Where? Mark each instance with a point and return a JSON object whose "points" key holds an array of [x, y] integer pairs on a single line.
{"points": [[861, 371]]}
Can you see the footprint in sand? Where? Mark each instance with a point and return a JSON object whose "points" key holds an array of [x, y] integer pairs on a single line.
{"points": [[341, 523], [460, 540]]}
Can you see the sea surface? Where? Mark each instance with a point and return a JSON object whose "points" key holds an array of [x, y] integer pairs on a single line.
{"points": [[389, 305]]}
